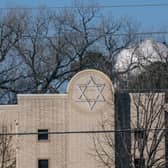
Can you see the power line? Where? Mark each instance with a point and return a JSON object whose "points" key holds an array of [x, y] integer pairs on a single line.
{"points": [[108, 34], [135, 5], [92, 6], [144, 90], [142, 33], [83, 132], [43, 91]]}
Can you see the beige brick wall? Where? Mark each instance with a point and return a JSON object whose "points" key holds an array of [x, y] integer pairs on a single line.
{"points": [[89, 99], [42, 112], [85, 116]]}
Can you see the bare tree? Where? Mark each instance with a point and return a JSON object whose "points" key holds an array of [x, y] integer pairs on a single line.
{"points": [[43, 49], [7, 151], [59, 40], [139, 143], [11, 30]]}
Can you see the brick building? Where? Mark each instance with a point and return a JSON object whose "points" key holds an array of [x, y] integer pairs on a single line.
{"points": [[89, 99]]}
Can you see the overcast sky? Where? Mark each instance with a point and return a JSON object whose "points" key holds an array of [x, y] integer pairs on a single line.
{"points": [[151, 18]]}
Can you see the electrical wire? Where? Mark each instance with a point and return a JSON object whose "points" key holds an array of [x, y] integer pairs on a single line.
{"points": [[83, 132], [105, 34], [43, 91], [92, 6]]}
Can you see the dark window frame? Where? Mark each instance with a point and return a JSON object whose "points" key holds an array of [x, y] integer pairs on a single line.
{"points": [[166, 97], [139, 162], [43, 160], [139, 134], [43, 135]]}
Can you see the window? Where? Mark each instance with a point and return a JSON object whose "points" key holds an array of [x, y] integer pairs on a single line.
{"points": [[139, 163], [43, 134], [43, 163], [166, 97], [139, 133]]}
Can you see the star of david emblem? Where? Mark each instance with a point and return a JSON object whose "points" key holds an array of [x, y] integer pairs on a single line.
{"points": [[91, 92]]}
